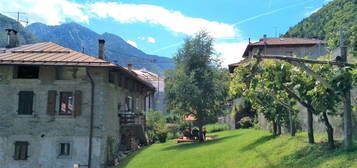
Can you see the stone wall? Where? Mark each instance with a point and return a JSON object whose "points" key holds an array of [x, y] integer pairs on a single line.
{"points": [[44, 132]]}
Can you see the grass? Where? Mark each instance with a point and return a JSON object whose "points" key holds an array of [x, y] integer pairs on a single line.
{"points": [[242, 149], [216, 127]]}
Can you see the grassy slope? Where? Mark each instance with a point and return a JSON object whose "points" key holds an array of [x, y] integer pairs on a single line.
{"points": [[242, 149]]}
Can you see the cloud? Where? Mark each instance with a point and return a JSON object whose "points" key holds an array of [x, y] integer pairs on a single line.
{"points": [[271, 12], [311, 12], [132, 43], [172, 20], [151, 40], [51, 12], [230, 52], [148, 39]]}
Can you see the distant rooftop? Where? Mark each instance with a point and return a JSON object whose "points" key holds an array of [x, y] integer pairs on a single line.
{"points": [[48, 53], [287, 41]]}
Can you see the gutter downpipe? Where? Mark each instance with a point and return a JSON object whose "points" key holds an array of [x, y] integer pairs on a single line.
{"points": [[91, 119]]}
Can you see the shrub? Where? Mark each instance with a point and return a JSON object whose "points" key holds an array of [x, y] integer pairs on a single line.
{"points": [[216, 127], [246, 122], [156, 127]]}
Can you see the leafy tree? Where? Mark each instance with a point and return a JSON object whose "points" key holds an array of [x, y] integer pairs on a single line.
{"points": [[197, 86]]}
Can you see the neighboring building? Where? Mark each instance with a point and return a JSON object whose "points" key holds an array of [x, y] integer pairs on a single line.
{"points": [[59, 107], [298, 47], [159, 84]]}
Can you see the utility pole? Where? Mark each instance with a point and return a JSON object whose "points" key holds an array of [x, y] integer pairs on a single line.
{"points": [[18, 13], [347, 113]]}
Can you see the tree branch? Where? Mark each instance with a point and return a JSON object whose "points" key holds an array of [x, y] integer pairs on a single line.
{"points": [[301, 60], [312, 73]]}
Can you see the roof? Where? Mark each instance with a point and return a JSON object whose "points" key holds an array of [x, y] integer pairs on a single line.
{"points": [[48, 53], [147, 75], [286, 41], [234, 65], [51, 54], [281, 41]]}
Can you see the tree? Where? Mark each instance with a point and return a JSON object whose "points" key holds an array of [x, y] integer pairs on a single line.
{"points": [[197, 86]]}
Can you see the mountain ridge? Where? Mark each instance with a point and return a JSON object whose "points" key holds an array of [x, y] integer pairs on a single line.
{"points": [[117, 50]]}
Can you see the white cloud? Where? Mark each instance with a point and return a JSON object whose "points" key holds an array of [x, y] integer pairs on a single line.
{"points": [[51, 12], [230, 52], [148, 39], [311, 12], [132, 43], [172, 20], [151, 40]]}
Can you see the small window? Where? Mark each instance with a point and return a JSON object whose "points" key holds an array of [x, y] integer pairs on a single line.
{"points": [[66, 103], [28, 72], [111, 77], [21, 150], [129, 104], [64, 149], [25, 103]]}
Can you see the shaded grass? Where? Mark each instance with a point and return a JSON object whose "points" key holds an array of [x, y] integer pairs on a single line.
{"points": [[243, 149]]}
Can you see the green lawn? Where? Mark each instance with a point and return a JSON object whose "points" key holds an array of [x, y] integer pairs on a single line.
{"points": [[242, 149]]}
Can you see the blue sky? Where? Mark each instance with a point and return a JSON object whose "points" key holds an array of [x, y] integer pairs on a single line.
{"points": [[160, 26]]}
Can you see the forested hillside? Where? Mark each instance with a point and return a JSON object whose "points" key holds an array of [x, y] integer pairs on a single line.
{"points": [[25, 36], [327, 22]]}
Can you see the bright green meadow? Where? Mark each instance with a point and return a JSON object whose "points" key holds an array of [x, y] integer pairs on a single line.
{"points": [[246, 148]]}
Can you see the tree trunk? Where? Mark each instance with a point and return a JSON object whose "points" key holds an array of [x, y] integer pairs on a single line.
{"points": [[275, 127], [310, 127], [279, 127], [291, 124], [329, 131], [200, 133], [347, 119]]}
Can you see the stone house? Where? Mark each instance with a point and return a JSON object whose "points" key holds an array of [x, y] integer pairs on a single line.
{"points": [[159, 84], [298, 47], [59, 107]]}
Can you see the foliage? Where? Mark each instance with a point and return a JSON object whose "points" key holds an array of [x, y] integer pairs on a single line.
{"points": [[197, 86], [242, 108], [246, 122], [244, 148], [261, 84], [217, 127], [327, 22], [156, 126]]}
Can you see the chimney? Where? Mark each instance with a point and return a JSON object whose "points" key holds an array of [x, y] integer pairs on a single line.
{"points": [[249, 40], [264, 36], [101, 49], [12, 39], [130, 67]]}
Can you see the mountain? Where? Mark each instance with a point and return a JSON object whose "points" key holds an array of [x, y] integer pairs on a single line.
{"points": [[327, 22], [117, 50], [25, 37]]}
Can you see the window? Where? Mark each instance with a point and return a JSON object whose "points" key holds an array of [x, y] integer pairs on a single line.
{"points": [[129, 104], [66, 103], [21, 150], [28, 72], [25, 103], [111, 77], [64, 149]]}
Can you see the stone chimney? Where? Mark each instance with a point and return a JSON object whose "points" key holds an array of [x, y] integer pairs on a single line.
{"points": [[264, 36], [130, 67], [101, 49], [12, 40]]}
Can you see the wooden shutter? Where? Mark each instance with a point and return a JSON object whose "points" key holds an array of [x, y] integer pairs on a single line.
{"points": [[77, 102], [25, 105], [51, 102]]}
